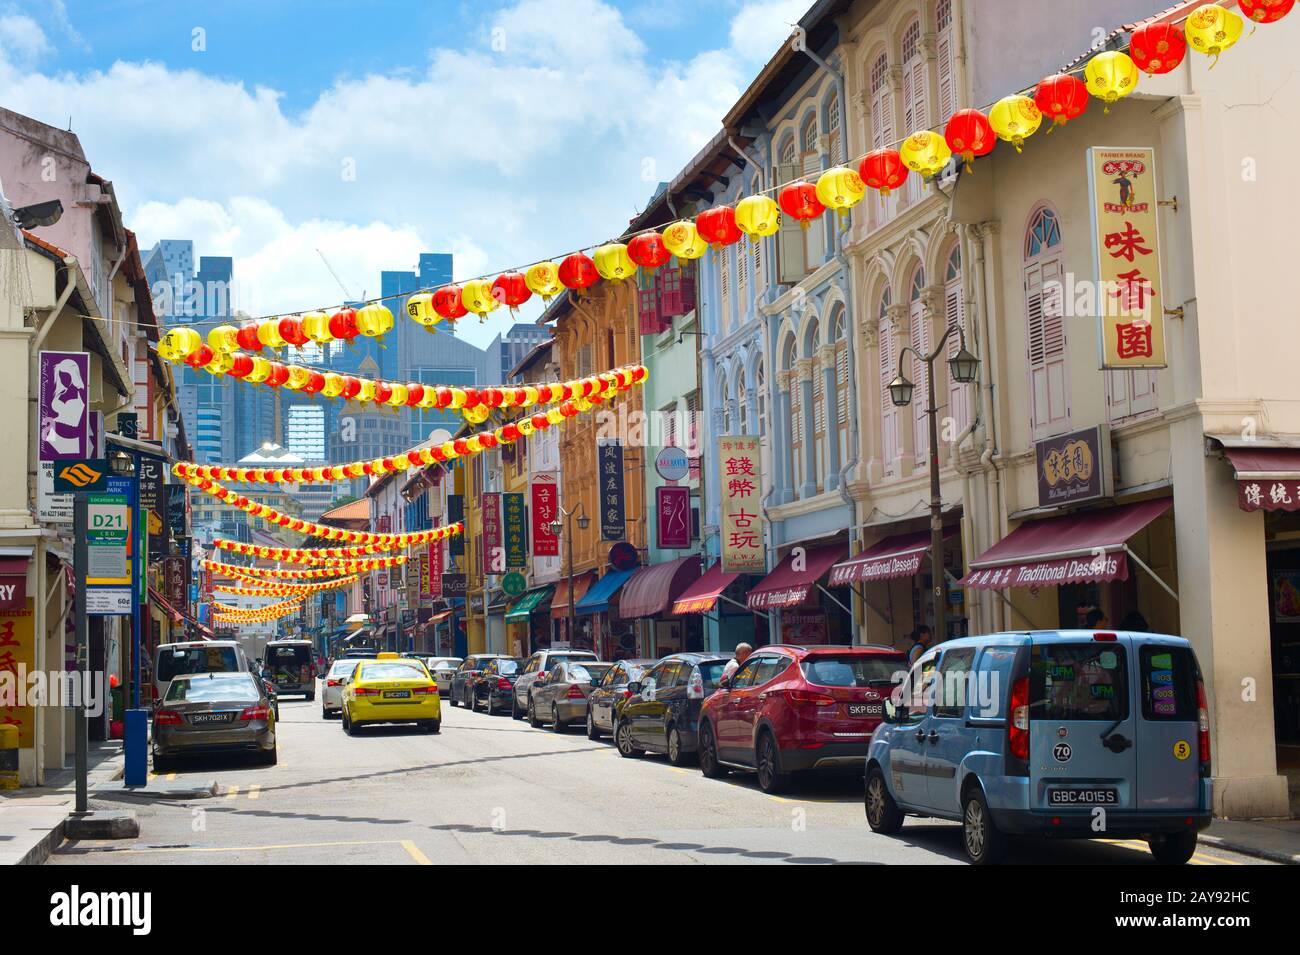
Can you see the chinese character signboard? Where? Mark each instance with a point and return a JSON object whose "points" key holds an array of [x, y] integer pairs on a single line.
{"points": [[515, 519], [1271, 494], [609, 470], [1129, 294], [673, 517], [492, 557], [1074, 467], [18, 659], [437, 564], [176, 574], [740, 480], [545, 508], [425, 593]]}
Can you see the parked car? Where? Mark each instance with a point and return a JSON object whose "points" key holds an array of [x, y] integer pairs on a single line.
{"points": [[291, 665], [331, 694], [391, 689], [662, 715], [462, 681], [255, 668], [195, 656], [792, 709], [561, 698], [443, 669], [213, 712], [612, 690], [538, 665], [495, 684], [1054, 725]]}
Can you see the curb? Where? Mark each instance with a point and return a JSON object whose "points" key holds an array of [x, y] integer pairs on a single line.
{"points": [[1271, 855], [38, 853]]}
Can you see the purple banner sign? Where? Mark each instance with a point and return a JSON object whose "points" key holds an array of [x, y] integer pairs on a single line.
{"points": [[673, 517], [64, 428]]}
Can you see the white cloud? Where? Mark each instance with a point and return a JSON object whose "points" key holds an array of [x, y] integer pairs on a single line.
{"points": [[21, 38], [760, 28]]}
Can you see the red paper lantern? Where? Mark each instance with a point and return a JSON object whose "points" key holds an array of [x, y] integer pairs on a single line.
{"points": [[414, 395], [577, 271], [1061, 98], [461, 446], [247, 337], [969, 134], [240, 367], [1264, 11], [511, 290], [544, 394], [343, 324], [717, 226], [883, 169], [315, 382], [799, 201], [442, 397], [383, 391], [491, 397], [648, 250], [1157, 47], [472, 397], [291, 331], [351, 387], [487, 439], [567, 409], [540, 421], [510, 432], [279, 374], [447, 303], [199, 357]]}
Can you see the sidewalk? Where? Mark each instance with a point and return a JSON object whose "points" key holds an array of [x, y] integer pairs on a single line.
{"points": [[31, 820], [1277, 840]]}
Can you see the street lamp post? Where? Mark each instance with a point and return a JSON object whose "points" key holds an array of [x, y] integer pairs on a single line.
{"points": [[557, 528], [964, 368]]}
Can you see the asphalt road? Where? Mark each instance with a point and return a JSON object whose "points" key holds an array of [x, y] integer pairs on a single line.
{"points": [[489, 789]]}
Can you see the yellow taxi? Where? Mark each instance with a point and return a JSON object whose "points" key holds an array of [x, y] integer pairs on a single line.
{"points": [[391, 689]]}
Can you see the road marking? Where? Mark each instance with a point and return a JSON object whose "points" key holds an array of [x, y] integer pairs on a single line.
{"points": [[254, 791], [232, 792], [415, 853], [286, 845]]}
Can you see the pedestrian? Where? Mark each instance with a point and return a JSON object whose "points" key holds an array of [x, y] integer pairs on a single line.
{"points": [[742, 652], [922, 637], [1135, 623], [1096, 620]]}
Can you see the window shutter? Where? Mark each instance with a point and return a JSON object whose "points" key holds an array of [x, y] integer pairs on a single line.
{"points": [[742, 278], [791, 267], [888, 411], [947, 74], [796, 432], [920, 340], [1049, 410], [724, 285], [959, 402]]}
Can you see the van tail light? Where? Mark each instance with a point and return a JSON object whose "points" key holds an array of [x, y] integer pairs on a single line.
{"points": [[1018, 726], [167, 718], [695, 687], [808, 698], [575, 693], [258, 712], [1104, 636], [1203, 723], [503, 683]]}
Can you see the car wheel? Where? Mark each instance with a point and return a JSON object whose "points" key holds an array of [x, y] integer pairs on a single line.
{"points": [[431, 726], [311, 697], [347, 723], [556, 723], [984, 843], [623, 740], [515, 712], [883, 814], [533, 721], [161, 765], [592, 732], [768, 763], [451, 696], [488, 706], [709, 764], [271, 758], [324, 713], [1176, 848], [677, 754]]}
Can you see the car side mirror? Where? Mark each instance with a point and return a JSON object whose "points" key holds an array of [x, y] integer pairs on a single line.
{"points": [[894, 712], [634, 687]]}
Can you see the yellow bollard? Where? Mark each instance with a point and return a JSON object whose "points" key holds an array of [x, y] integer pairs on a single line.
{"points": [[8, 756]]}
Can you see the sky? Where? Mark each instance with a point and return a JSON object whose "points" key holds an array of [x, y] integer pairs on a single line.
{"points": [[369, 132]]}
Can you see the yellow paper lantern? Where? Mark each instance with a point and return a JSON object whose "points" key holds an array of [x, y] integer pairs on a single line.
{"points": [[261, 370], [298, 377], [367, 392], [458, 398], [268, 333], [544, 279], [1110, 76], [613, 262], [1210, 29], [477, 414], [223, 339], [316, 326], [525, 426], [430, 398], [419, 308], [398, 396], [333, 386], [1015, 118], [555, 416], [476, 295], [925, 152], [221, 363], [474, 444], [757, 216], [179, 344], [683, 240], [530, 395], [374, 320], [840, 189], [449, 450]]}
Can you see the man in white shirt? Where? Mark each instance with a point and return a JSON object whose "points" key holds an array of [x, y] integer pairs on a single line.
{"points": [[743, 650]]}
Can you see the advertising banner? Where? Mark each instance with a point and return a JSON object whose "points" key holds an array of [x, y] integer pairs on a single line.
{"points": [[609, 466], [673, 517]]}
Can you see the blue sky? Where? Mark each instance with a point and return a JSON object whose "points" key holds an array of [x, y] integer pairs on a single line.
{"points": [[503, 132]]}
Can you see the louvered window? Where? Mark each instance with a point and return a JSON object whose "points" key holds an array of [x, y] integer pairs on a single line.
{"points": [[1045, 327], [915, 114], [882, 133], [954, 309], [919, 329], [724, 286], [836, 141], [945, 53], [889, 419]]}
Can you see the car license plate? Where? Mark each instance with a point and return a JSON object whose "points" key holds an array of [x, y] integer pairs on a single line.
{"points": [[1096, 796], [866, 709], [397, 694], [199, 718]]}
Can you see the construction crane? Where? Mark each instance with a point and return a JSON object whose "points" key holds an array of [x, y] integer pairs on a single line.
{"points": [[346, 294]]}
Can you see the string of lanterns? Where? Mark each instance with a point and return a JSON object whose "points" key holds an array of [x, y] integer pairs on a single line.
{"points": [[242, 572], [233, 614], [263, 588], [338, 557], [598, 388]]}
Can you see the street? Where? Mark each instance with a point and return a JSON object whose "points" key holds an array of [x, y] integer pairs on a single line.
{"points": [[489, 789]]}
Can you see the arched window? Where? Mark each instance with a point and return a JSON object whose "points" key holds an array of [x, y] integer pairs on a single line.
{"points": [[889, 418], [954, 314], [915, 114], [946, 54], [808, 154], [882, 103], [820, 447], [1045, 325], [919, 330], [795, 459], [742, 403], [839, 337], [835, 141]]}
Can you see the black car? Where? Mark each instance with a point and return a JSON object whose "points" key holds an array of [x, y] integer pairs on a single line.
{"points": [[494, 685], [612, 691], [662, 714], [462, 683]]}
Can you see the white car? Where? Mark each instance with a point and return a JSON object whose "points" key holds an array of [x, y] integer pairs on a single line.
{"points": [[443, 669], [331, 696]]}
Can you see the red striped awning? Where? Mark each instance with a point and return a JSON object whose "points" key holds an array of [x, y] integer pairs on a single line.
{"points": [[897, 556], [792, 580], [702, 596], [1268, 479], [652, 590]]}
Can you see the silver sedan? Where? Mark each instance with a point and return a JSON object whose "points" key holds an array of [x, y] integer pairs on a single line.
{"points": [[213, 712], [561, 699], [331, 696], [443, 669]]}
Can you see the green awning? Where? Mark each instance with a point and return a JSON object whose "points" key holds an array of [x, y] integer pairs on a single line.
{"points": [[534, 600]]}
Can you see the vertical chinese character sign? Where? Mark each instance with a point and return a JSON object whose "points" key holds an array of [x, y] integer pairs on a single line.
{"points": [[609, 468], [1126, 247], [740, 481], [673, 512], [545, 494], [515, 516], [437, 566], [493, 555]]}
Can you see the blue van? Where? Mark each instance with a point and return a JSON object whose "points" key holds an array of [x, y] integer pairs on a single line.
{"points": [[1066, 733]]}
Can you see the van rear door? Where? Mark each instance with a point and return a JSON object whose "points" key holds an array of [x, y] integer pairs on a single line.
{"points": [[1168, 767], [1082, 723]]}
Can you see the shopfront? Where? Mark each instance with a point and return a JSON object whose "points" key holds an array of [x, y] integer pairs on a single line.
{"points": [[528, 621], [808, 612], [580, 637], [649, 597], [720, 596], [615, 637]]}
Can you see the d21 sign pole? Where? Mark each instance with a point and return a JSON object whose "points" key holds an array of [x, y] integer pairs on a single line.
{"points": [[80, 558]]}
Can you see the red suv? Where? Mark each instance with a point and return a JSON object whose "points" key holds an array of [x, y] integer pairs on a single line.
{"points": [[789, 709]]}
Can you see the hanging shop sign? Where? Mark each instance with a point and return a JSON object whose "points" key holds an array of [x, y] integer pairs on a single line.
{"points": [[18, 658], [623, 556], [175, 575], [609, 467], [673, 516], [437, 564], [515, 520], [454, 585], [514, 583], [492, 556], [740, 479], [671, 464], [546, 497], [456, 514], [1128, 293], [13, 578], [1074, 467], [425, 592], [64, 409]]}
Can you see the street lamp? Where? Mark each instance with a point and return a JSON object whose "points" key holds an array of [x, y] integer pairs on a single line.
{"points": [[557, 528], [964, 368]]}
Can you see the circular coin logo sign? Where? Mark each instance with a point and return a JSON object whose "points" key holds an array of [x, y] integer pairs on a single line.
{"points": [[1182, 749], [514, 584], [1062, 752]]}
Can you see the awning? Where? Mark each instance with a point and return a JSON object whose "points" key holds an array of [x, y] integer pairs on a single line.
{"points": [[654, 589], [596, 600], [440, 616], [161, 603], [786, 586], [1073, 548], [702, 596], [560, 602], [1268, 479], [13, 576], [531, 602], [897, 556]]}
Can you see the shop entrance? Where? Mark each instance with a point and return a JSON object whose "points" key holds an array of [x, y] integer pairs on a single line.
{"points": [[1283, 533]]}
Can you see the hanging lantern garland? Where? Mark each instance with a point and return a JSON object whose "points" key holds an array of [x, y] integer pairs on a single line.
{"points": [[282, 590], [318, 556], [1061, 98], [254, 573]]}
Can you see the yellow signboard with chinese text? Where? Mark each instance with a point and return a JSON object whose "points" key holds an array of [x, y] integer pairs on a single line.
{"points": [[741, 481]]}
